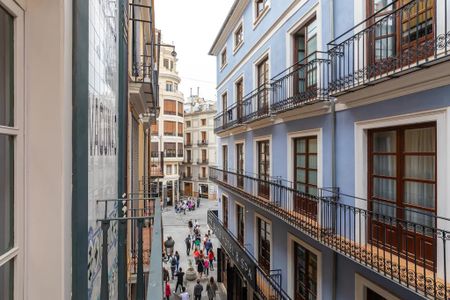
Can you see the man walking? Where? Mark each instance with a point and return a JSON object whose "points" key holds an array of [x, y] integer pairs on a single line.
{"points": [[184, 295], [188, 244], [198, 289], [180, 275]]}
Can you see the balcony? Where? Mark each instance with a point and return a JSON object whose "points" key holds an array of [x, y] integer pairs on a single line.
{"points": [[267, 286], [188, 144], [202, 161], [185, 176], [304, 83], [400, 38], [227, 120], [202, 143], [410, 250], [141, 217]]}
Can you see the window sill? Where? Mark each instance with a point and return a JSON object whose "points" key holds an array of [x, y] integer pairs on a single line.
{"points": [[236, 49], [261, 16], [223, 66]]}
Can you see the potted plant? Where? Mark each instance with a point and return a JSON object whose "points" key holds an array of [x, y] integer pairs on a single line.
{"points": [[191, 275]]}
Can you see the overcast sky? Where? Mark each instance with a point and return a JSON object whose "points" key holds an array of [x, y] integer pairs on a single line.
{"points": [[192, 26]]}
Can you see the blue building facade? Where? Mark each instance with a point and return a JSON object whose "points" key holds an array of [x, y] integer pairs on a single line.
{"points": [[333, 131]]}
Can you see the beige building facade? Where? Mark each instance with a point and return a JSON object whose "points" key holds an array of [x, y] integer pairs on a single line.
{"points": [[200, 148], [167, 132]]}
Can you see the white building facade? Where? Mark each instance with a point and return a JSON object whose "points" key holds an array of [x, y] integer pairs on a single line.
{"points": [[201, 148]]}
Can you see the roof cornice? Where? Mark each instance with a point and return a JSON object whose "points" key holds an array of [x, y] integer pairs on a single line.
{"points": [[233, 17]]}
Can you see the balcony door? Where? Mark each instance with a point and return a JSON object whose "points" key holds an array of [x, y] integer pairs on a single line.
{"points": [[225, 162], [240, 165], [305, 175], [239, 97], [402, 190], [404, 33], [224, 109], [263, 148], [305, 71], [305, 278], [263, 89]]}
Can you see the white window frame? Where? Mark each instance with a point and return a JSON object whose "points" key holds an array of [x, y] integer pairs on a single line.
{"points": [[255, 241], [16, 254], [265, 11], [240, 77], [255, 161], [236, 142], [236, 204], [290, 271], [442, 119], [361, 283], [238, 46], [223, 64]]}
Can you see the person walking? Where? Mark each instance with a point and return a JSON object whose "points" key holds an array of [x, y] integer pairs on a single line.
{"points": [[211, 288], [208, 245], [168, 291], [180, 278], [173, 265], [200, 267], [169, 244], [184, 295], [206, 266], [211, 258], [190, 226], [187, 241], [166, 276], [177, 255], [198, 289]]}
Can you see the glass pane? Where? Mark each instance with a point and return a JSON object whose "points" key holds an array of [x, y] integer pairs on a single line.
{"points": [[384, 165], [6, 69], [312, 161], [6, 192], [384, 189], [379, 4], [420, 217], [386, 210], [385, 141], [301, 146], [312, 177], [312, 191], [301, 161], [301, 176], [384, 48], [312, 145], [420, 194], [301, 188], [420, 140], [419, 167], [7, 280]]}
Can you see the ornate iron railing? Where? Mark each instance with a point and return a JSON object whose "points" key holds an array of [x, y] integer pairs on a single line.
{"points": [[227, 119], [202, 161], [268, 286], [306, 82], [256, 104], [143, 215], [202, 143], [410, 250], [397, 39]]}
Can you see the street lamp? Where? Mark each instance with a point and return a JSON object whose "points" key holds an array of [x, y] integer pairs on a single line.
{"points": [[173, 53]]}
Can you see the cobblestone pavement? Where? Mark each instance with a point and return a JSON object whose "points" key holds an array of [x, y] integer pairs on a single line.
{"points": [[176, 226]]}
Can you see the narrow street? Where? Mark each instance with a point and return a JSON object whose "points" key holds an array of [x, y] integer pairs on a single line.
{"points": [[176, 226]]}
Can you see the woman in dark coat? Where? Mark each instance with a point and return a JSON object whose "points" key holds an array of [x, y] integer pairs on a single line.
{"points": [[200, 267]]}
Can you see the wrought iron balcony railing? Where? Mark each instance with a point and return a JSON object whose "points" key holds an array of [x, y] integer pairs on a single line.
{"points": [[306, 82], [268, 286], [227, 119], [202, 143], [202, 161], [188, 144], [399, 38], [142, 215], [255, 104], [407, 246]]}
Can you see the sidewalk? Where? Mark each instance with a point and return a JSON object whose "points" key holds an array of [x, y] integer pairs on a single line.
{"points": [[176, 226]]}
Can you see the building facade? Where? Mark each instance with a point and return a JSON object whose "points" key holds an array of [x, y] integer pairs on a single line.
{"points": [[200, 148], [64, 112], [333, 126], [167, 131]]}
